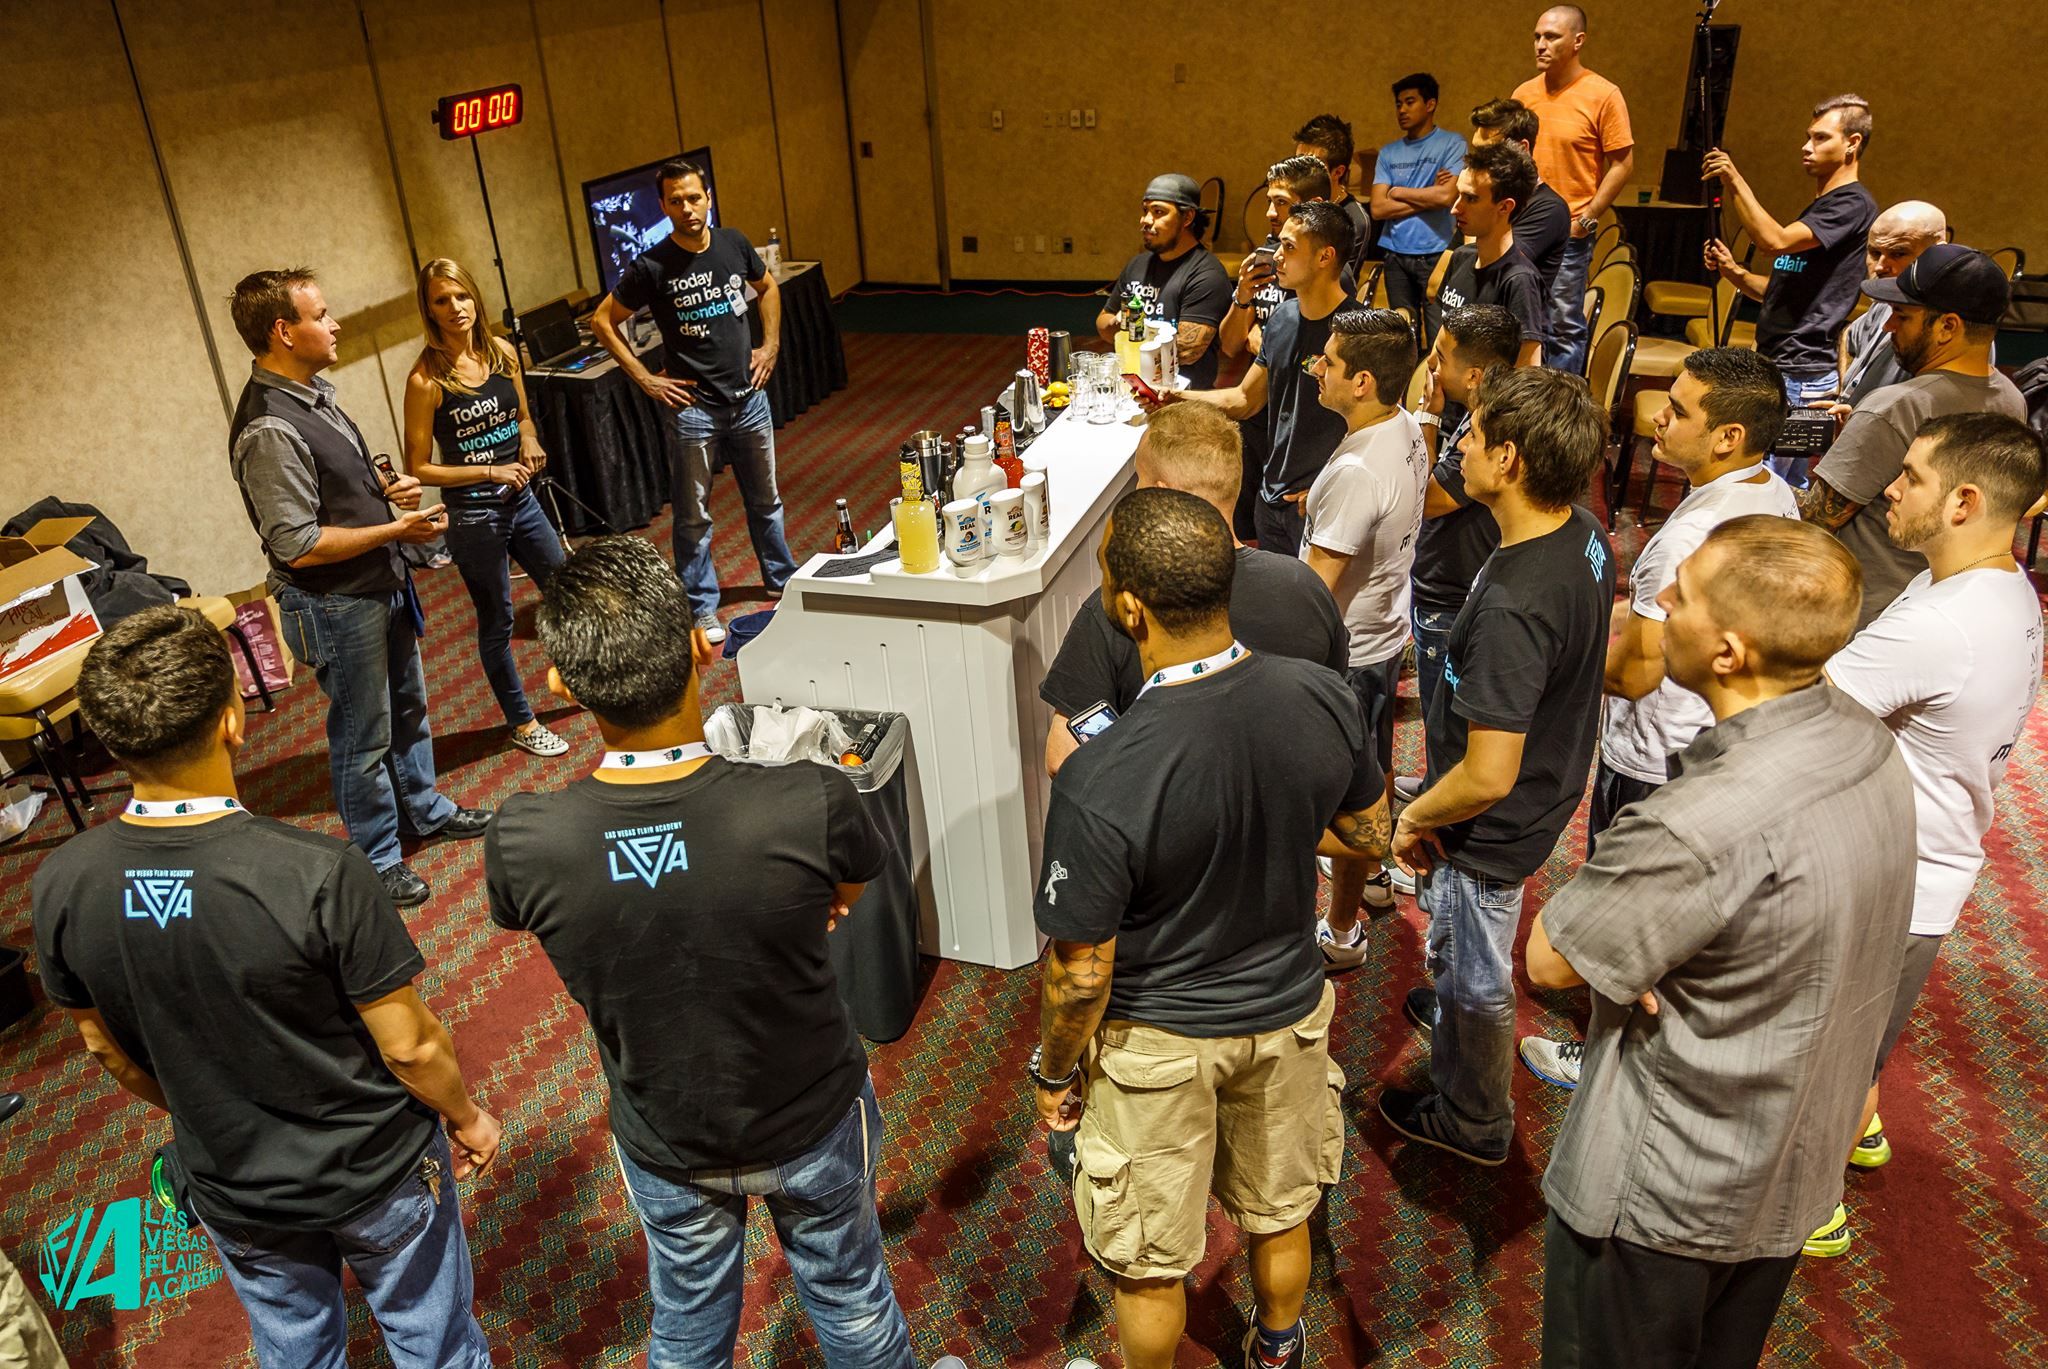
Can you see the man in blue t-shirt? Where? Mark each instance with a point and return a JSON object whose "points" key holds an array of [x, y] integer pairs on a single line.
{"points": [[713, 378], [1414, 184]]}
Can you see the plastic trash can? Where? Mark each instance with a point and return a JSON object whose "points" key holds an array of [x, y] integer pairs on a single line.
{"points": [[874, 951]]}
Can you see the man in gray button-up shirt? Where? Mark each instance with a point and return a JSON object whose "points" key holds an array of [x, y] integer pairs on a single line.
{"points": [[1741, 930]]}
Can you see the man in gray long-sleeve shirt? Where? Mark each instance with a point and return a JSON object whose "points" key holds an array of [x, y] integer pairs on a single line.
{"points": [[331, 526], [1742, 930]]}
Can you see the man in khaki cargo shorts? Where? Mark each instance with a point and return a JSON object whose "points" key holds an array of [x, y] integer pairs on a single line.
{"points": [[1187, 1021]]}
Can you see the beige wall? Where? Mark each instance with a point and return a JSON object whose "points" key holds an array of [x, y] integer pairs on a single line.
{"points": [[1941, 103], [271, 122], [883, 42]]}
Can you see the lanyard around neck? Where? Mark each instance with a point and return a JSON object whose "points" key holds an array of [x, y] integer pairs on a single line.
{"points": [[181, 808], [1188, 670], [647, 760]]}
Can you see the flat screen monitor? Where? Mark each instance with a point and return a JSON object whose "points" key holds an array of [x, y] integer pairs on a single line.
{"points": [[626, 217]]}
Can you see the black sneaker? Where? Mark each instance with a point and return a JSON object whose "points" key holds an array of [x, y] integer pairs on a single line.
{"points": [[1254, 1358], [1419, 1007], [467, 823], [1407, 788], [405, 888], [1419, 1117]]}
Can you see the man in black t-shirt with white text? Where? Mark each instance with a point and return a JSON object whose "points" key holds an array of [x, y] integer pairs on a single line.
{"points": [[1176, 278], [254, 981], [1315, 242], [713, 379], [1816, 260], [1277, 604], [685, 900], [1186, 1018], [1511, 734], [1492, 268]]}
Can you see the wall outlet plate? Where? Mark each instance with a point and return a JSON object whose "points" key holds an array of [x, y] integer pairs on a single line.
{"points": [[995, 119], [1038, 243], [1088, 118], [1017, 243], [1067, 245], [1073, 118]]}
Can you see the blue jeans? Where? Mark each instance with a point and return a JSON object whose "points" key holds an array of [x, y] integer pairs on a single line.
{"points": [[1801, 391], [741, 436], [1566, 348], [409, 1254], [380, 753], [1471, 951], [480, 536], [823, 1206], [1432, 645]]}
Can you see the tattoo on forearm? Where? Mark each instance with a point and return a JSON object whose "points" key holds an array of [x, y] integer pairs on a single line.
{"points": [[1076, 992], [1367, 832], [1822, 503]]}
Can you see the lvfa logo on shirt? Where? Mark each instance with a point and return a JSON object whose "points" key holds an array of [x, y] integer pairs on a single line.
{"points": [[1596, 555], [645, 853], [157, 895]]}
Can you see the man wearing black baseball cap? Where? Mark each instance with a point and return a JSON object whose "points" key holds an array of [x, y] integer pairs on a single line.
{"points": [[1945, 312], [1178, 279]]}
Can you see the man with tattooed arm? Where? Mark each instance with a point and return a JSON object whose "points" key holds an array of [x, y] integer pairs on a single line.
{"points": [[1186, 1016]]}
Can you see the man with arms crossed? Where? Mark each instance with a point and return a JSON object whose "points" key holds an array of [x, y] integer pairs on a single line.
{"points": [[254, 981], [1300, 433], [1414, 184], [1741, 931], [1491, 268], [1816, 260], [332, 525], [1945, 312], [684, 900], [1186, 1017], [1178, 279], [1363, 512], [695, 281], [1952, 667], [1723, 413], [1585, 150], [1510, 742], [1277, 605]]}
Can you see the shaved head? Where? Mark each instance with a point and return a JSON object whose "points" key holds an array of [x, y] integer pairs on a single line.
{"points": [[1790, 589], [1570, 18], [1913, 219]]}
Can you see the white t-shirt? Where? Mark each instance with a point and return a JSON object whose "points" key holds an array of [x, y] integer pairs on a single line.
{"points": [[1367, 505], [1953, 669], [1637, 736]]}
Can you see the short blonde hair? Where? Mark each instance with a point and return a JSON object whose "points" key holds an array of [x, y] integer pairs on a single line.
{"points": [[1790, 588], [1195, 447]]}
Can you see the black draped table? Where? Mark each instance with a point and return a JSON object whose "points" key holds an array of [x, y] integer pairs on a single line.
{"points": [[1670, 239], [612, 448]]}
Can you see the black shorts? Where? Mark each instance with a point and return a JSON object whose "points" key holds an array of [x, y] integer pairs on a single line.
{"points": [[1377, 687]]}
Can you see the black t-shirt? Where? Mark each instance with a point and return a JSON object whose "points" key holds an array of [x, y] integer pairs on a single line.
{"points": [[1527, 654], [1277, 606], [1271, 295], [1810, 294], [687, 917], [479, 429], [1192, 288], [1542, 227], [1510, 282], [1188, 832], [700, 303], [1450, 550], [1364, 233], [1300, 432], [228, 959]]}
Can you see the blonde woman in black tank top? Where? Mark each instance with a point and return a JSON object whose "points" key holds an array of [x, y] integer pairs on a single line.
{"points": [[468, 430]]}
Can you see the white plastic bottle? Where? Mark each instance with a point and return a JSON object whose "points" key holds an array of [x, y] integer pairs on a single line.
{"points": [[771, 255], [979, 478]]}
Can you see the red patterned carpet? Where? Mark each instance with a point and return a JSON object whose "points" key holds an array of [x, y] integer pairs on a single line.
{"points": [[1419, 1261]]}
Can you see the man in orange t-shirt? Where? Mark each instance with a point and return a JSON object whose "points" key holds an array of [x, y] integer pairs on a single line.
{"points": [[1586, 153]]}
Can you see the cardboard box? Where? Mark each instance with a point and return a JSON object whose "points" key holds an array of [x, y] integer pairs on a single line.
{"points": [[43, 608]]}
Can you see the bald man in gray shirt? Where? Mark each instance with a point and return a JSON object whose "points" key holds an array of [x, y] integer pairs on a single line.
{"points": [[1742, 931]]}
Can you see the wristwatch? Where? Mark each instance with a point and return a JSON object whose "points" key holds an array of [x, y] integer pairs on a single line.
{"points": [[1589, 223], [1038, 1054], [1428, 419]]}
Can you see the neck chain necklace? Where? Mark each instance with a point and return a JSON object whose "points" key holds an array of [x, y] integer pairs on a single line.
{"points": [[181, 808], [1188, 670], [647, 760]]}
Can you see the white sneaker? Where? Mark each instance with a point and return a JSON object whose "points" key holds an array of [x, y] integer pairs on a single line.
{"points": [[539, 741], [1401, 880], [1339, 955], [1379, 891], [1554, 1062], [714, 631], [1323, 867]]}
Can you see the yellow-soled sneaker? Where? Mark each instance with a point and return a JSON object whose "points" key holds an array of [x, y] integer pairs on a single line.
{"points": [[1873, 1150], [1833, 1237]]}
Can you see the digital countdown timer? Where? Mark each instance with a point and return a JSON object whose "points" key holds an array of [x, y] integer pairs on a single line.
{"points": [[479, 111]]}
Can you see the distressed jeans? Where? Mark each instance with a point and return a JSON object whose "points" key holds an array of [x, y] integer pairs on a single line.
{"points": [[1471, 951], [742, 437]]}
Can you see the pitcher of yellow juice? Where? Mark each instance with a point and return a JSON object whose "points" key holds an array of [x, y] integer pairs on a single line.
{"points": [[917, 526]]}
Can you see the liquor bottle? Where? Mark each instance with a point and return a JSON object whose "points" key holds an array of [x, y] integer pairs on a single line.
{"points": [[1134, 317], [1006, 448], [843, 539]]}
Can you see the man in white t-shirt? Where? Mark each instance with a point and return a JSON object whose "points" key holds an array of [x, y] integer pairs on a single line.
{"points": [[1725, 410], [1953, 666], [1362, 515]]}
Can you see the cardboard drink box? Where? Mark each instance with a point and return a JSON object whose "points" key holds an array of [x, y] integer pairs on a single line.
{"points": [[43, 608]]}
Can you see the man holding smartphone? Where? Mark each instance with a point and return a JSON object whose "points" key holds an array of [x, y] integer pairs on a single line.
{"points": [[332, 525]]}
